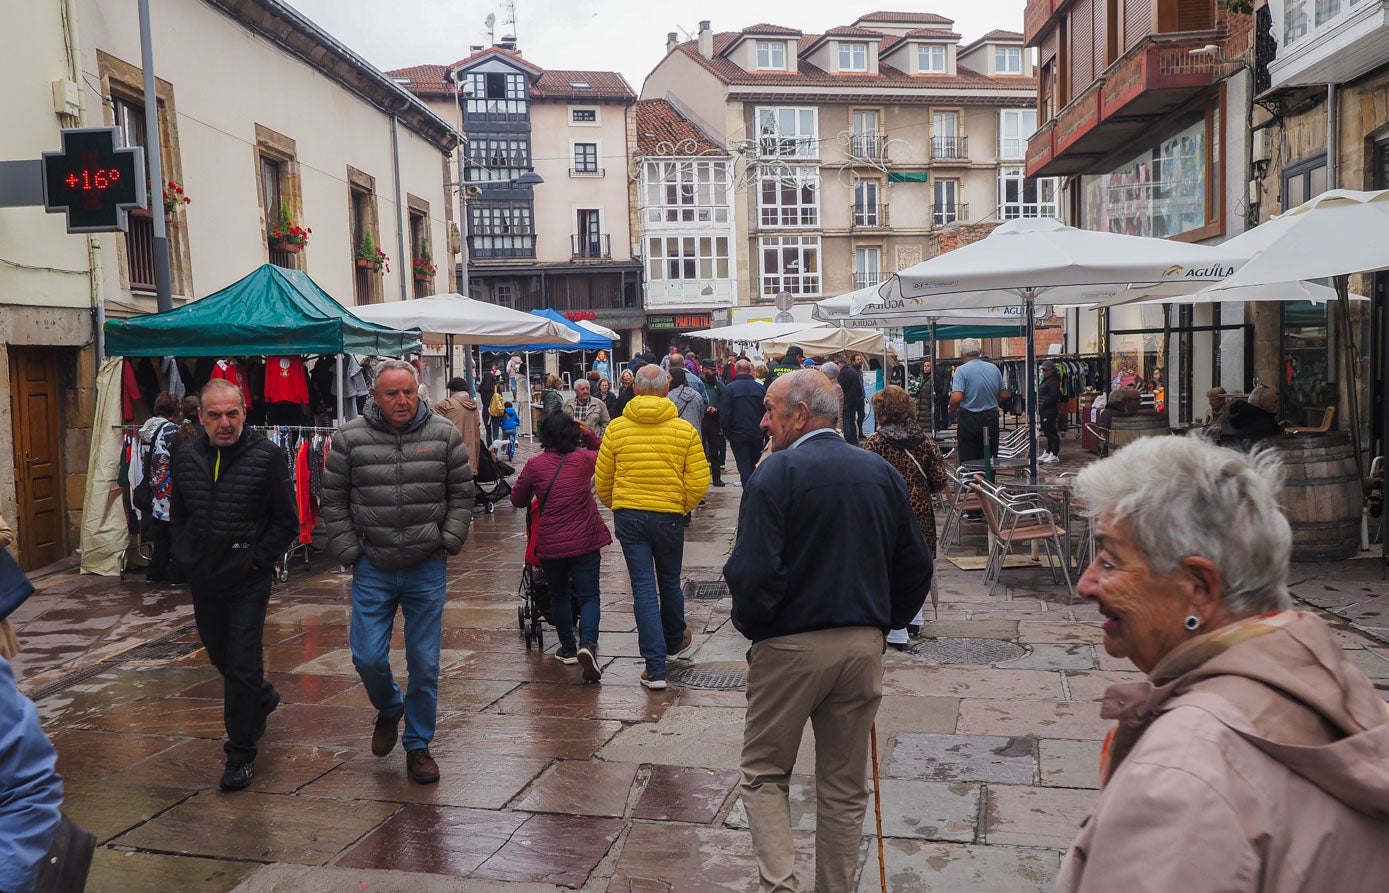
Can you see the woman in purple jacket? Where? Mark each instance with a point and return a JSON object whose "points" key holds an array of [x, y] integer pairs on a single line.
{"points": [[569, 534]]}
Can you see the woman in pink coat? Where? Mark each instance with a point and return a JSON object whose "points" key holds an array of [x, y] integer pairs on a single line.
{"points": [[1255, 757], [569, 533]]}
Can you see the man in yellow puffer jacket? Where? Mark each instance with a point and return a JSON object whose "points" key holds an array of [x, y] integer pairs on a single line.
{"points": [[652, 472]]}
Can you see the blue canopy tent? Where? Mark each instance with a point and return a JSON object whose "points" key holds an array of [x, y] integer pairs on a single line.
{"points": [[587, 340]]}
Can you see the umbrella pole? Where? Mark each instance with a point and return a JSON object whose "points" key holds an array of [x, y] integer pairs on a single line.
{"points": [[1028, 299], [341, 384], [1352, 365], [448, 356], [468, 370], [931, 379]]}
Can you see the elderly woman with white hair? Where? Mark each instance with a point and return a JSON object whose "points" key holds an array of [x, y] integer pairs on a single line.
{"points": [[1256, 756]]}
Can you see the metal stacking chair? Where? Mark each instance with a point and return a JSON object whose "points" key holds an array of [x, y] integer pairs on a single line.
{"points": [[959, 499], [1019, 522]]}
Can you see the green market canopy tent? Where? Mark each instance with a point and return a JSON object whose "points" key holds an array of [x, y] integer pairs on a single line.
{"points": [[271, 312]]}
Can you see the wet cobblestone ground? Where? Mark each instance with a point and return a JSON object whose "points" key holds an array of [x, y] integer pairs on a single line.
{"points": [[987, 766]]}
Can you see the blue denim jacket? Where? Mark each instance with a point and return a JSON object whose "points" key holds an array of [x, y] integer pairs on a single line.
{"points": [[30, 789]]}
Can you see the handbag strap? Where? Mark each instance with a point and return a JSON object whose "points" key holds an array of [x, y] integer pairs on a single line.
{"points": [[541, 506], [924, 478]]}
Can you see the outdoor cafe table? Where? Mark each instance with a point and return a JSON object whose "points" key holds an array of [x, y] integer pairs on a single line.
{"points": [[1057, 492]]}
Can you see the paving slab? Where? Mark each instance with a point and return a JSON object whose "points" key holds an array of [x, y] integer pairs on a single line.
{"points": [[614, 702], [523, 736], [1090, 685], [174, 717], [581, 787], [338, 662], [973, 682], [1053, 657], [259, 827], [1059, 632], [124, 871], [708, 737], [658, 858], [553, 849], [1040, 817], [197, 764], [92, 756], [455, 696], [435, 840], [983, 758], [1069, 764], [469, 779], [294, 688], [108, 809], [117, 686], [918, 866], [685, 794], [975, 629], [1034, 719], [911, 808], [329, 879]]}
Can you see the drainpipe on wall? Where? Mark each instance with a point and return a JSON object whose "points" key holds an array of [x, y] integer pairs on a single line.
{"points": [[405, 265], [1332, 114], [94, 272]]}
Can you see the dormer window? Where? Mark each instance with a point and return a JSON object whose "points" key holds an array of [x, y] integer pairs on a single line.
{"points": [[930, 58], [580, 85], [1008, 60], [771, 55], [853, 57]]}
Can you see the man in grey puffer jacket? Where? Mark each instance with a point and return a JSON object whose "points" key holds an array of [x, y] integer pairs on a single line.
{"points": [[397, 500]]}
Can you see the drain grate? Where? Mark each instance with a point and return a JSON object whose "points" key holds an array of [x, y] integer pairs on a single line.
{"points": [[166, 647], [961, 650], [709, 590], [712, 677]]}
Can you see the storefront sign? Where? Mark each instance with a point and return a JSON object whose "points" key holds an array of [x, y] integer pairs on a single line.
{"points": [[685, 321], [660, 322]]}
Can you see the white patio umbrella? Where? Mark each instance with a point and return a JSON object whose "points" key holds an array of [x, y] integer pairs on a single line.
{"points": [[752, 332], [839, 311], [822, 340], [1022, 260], [1335, 235], [469, 321], [1215, 294]]}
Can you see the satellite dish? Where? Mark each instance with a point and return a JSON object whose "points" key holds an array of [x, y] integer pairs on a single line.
{"points": [[490, 20]]}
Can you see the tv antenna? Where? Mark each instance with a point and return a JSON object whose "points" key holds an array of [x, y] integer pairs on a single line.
{"points": [[509, 6]]}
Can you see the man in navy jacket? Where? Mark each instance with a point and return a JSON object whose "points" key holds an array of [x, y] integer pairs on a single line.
{"points": [[817, 596], [740, 417]]}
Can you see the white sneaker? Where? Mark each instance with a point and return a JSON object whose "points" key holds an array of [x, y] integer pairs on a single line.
{"points": [[1050, 459], [1044, 458]]}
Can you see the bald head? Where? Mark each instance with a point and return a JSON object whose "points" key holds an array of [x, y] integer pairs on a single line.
{"points": [[652, 381], [798, 403]]}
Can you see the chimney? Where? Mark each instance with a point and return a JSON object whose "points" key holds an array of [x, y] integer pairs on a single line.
{"points": [[706, 40], [672, 40]]}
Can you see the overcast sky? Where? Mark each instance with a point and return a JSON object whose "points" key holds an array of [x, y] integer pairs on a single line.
{"points": [[604, 35]]}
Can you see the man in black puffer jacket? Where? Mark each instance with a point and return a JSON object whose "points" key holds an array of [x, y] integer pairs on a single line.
{"points": [[740, 418], [397, 500], [232, 515]]}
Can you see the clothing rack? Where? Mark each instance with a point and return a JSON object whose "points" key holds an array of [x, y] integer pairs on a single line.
{"points": [[291, 438]]}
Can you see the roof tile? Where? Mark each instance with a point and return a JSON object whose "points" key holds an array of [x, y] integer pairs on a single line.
{"points": [[907, 18], [602, 86], [662, 130]]}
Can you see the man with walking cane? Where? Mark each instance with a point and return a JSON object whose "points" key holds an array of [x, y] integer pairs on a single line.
{"points": [[817, 599]]}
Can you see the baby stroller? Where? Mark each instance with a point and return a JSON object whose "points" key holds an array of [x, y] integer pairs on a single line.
{"points": [[490, 481], [534, 610]]}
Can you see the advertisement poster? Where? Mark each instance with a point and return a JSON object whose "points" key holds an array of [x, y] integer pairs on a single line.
{"points": [[872, 384], [1160, 192]]}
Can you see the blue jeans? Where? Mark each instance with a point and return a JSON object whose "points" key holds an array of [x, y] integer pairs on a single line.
{"points": [[574, 578], [653, 543], [419, 591]]}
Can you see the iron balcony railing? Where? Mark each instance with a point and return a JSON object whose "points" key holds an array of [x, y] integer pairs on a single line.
{"points": [[943, 214], [949, 147], [869, 215], [591, 245]]}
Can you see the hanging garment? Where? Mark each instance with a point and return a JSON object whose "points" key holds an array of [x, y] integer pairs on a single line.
{"points": [[303, 496], [234, 372], [286, 380], [170, 379], [130, 391]]}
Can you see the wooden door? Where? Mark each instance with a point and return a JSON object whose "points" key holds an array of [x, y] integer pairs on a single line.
{"points": [[37, 455]]}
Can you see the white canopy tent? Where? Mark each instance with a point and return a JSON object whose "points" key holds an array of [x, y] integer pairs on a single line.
{"points": [[752, 332], [820, 341], [1024, 259]]}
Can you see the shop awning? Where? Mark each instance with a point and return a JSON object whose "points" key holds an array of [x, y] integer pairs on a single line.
{"points": [[271, 312]]}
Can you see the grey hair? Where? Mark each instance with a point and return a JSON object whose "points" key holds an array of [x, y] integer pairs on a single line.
{"points": [[1263, 397], [970, 347], [1185, 496], [808, 386], [831, 371], [651, 379], [742, 367], [388, 365]]}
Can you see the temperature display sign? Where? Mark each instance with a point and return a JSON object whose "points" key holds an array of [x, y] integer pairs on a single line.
{"points": [[95, 180]]}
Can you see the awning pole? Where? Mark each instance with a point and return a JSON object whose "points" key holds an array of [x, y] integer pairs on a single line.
{"points": [[1028, 298], [341, 388]]}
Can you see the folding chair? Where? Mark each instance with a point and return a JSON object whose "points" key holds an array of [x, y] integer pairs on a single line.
{"points": [[1017, 522], [959, 499]]}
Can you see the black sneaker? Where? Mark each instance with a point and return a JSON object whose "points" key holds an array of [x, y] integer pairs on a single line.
{"points": [[567, 654], [268, 709], [588, 659], [717, 484], [238, 775]]}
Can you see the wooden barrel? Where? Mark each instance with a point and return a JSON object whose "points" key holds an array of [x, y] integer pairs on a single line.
{"points": [[1125, 429], [1321, 496]]}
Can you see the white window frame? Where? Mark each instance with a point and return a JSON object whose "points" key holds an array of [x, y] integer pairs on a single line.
{"points": [[1008, 60], [868, 213], [1015, 126], [945, 212], [863, 275], [925, 58], [688, 258], [771, 55], [576, 109], [774, 252], [1046, 194], [853, 56], [795, 198], [787, 131], [686, 191]]}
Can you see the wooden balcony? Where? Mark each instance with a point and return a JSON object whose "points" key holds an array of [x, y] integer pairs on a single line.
{"points": [[1144, 85]]}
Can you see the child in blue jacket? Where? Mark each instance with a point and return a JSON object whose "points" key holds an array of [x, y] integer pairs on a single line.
{"points": [[511, 424]]}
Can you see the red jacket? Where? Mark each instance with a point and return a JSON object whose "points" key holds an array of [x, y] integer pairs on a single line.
{"points": [[569, 523]]}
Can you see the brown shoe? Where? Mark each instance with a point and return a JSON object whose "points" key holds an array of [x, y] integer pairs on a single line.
{"points": [[421, 766], [383, 737], [686, 652]]}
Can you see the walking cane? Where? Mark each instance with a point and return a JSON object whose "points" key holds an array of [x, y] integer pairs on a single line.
{"points": [[878, 805]]}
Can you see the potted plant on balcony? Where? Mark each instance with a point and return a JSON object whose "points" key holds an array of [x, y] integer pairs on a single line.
{"points": [[174, 197], [424, 266], [370, 257], [286, 235]]}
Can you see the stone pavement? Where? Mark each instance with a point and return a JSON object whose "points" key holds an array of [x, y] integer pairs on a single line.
{"points": [[987, 765]]}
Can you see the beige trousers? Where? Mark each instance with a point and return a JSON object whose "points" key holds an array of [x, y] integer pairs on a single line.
{"points": [[834, 678]]}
